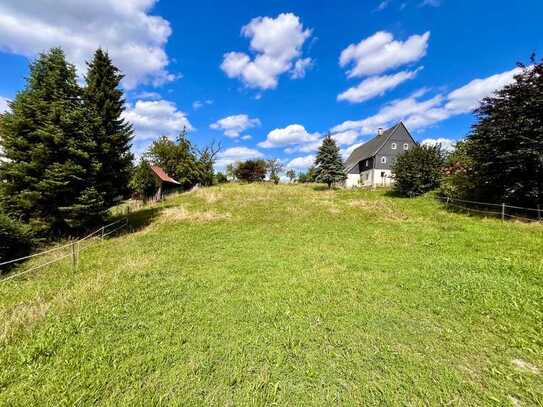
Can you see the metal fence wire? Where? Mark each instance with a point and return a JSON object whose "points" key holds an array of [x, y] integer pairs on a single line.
{"points": [[73, 249], [502, 210]]}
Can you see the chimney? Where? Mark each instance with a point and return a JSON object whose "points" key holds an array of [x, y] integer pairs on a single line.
{"points": [[380, 131]]}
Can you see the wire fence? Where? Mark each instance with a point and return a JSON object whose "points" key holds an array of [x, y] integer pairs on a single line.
{"points": [[72, 250], [502, 210]]}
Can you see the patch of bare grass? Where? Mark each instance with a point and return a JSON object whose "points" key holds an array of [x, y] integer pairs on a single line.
{"points": [[21, 316], [181, 214], [525, 366]]}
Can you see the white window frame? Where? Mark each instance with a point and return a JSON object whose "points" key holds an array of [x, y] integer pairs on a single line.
{"points": [[405, 146], [383, 160], [394, 146]]}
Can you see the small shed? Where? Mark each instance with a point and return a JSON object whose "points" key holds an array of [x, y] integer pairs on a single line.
{"points": [[166, 183]]}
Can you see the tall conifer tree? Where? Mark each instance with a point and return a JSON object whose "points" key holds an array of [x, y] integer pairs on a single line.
{"points": [[329, 165], [102, 93], [47, 138]]}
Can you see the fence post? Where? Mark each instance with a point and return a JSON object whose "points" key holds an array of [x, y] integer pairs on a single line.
{"points": [[73, 258], [503, 211], [103, 232], [539, 212]]}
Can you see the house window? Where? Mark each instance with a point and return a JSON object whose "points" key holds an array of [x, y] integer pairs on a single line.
{"points": [[383, 160], [393, 146], [406, 146]]}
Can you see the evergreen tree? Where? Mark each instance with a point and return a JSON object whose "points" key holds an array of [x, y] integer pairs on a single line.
{"points": [[505, 147], [102, 94], [329, 165], [48, 141]]}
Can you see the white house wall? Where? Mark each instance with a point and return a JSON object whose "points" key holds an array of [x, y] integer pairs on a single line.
{"points": [[370, 178]]}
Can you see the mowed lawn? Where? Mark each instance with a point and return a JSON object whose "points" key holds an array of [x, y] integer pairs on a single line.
{"points": [[285, 295]]}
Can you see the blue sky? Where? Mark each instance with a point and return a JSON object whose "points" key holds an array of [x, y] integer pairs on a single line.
{"points": [[269, 79]]}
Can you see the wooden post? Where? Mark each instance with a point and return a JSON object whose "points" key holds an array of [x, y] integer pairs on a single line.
{"points": [[503, 211], [539, 212]]}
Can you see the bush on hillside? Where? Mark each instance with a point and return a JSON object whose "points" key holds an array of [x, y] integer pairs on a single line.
{"points": [[418, 170], [14, 239], [144, 183], [250, 170], [220, 178]]}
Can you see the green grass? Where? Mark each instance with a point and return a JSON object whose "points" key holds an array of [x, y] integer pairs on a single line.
{"points": [[286, 295]]}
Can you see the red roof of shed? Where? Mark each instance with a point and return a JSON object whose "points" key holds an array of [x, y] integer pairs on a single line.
{"points": [[160, 173]]}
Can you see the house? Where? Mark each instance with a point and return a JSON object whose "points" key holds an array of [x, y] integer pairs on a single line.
{"points": [[370, 165], [165, 182]]}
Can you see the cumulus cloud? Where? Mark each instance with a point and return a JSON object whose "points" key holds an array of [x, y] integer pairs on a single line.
{"points": [[375, 86], [134, 38], [276, 44], [417, 113], [301, 162], [300, 66], [154, 118], [381, 52], [445, 143], [467, 97], [232, 126], [233, 154], [3, 104], [294, 134]]}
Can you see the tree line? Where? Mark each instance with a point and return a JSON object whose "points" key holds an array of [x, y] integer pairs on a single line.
{"points": [[65, 153]]}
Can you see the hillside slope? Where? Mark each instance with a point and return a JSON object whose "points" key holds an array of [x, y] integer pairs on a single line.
{"points": [[262, 294]]}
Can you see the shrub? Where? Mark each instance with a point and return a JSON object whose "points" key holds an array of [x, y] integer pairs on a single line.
{"points": [[250, 170], [220, 178], [418, 170], [14, 238], [143, 182]]}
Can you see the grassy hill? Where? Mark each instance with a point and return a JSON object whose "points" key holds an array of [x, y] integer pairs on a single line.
{"points": [[262, 294]]}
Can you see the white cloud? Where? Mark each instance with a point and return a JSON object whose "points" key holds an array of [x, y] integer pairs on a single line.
{"points": [[277, 44], [445, 143], [233, 154], [375, 86], [155, 118], [381, 52], [467, 97], [300, 66], [302, 162], [197, 104], [418, 113], [345, 137], [3, 104], [232, 126], [148, 95], [294, 134], [134, 39], [246, 137]]}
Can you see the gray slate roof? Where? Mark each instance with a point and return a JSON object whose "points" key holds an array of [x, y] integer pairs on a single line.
{"points": [[369, 148]]}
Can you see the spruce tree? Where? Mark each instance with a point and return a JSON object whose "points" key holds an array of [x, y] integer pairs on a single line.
{"points": [[47, 138], [102, 93], [329, 164]]}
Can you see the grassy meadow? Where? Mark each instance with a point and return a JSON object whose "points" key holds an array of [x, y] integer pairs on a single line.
{"points": [[284, 295]]}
